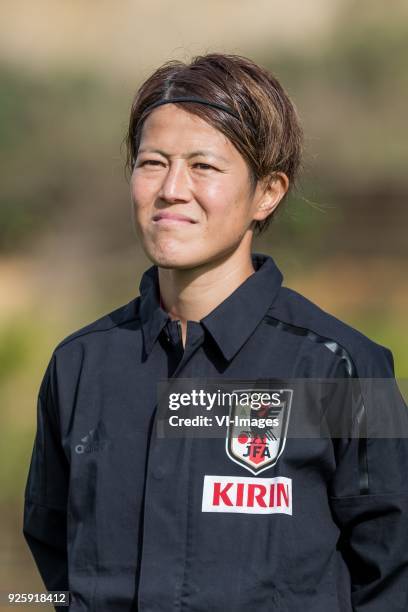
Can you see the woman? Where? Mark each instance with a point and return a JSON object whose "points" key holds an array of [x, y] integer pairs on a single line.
{"points": [[127, 519]]}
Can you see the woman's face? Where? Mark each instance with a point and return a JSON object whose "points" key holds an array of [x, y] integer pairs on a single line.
{"points": [[191, 192]]}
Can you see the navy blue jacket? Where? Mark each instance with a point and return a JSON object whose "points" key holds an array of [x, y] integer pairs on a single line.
{"points": [[126, 520]]}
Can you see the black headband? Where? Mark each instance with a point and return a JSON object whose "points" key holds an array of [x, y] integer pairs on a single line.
{"points": [[191, 99]]}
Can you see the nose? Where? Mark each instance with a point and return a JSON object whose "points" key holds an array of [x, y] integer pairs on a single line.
{"points": [[175, 186]]}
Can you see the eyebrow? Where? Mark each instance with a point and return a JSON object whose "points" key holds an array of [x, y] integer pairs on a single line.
{"points": [[201, 152]]}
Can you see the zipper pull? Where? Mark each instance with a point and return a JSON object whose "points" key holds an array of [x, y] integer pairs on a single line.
{"points": [[180, 330]]}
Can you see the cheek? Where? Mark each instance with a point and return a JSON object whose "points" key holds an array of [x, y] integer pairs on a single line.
{"points": [[226, 207], [141, 192]]}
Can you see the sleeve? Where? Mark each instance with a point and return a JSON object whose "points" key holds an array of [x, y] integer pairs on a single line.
{"points": [[46, 491], [369, 491]]}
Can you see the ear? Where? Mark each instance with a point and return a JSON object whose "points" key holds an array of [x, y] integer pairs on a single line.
{"points": [[271, 194]]}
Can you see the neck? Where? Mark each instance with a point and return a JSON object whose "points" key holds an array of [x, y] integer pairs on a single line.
{"points": [[191, 294]]}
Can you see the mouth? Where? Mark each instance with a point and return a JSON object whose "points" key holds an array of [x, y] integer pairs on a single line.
{"points": [[170, 218]]}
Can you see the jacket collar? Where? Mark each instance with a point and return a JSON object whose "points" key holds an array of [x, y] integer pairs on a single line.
{"points": [[232, 322]]}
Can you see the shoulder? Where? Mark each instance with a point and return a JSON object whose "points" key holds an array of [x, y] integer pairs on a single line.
{"points": [[103, 326], [90, 348], [297, 314]]}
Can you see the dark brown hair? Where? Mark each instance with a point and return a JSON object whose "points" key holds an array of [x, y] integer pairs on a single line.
{"points": [[268, 136]]}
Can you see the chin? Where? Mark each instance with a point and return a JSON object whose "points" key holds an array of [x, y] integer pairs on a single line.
{"points": [[172, 258]]}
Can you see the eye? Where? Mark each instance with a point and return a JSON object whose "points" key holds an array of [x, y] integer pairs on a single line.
{"points": [[150, 162], [204, 166]]}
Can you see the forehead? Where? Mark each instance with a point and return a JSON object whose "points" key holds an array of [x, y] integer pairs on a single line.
{"points": [[170, 126]]}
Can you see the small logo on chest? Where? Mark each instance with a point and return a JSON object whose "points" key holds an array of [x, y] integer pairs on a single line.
{"points": [[94, 441]]}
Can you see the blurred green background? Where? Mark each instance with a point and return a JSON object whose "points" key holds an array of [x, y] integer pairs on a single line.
{"points": [[68, 253]]}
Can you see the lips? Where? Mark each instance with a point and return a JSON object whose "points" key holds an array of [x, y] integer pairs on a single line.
{"points": [[166, 216]]}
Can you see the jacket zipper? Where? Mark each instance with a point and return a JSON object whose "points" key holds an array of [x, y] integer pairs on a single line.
{"points": [[180, 331]]}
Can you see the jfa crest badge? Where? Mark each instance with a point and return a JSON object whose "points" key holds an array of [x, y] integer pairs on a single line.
{"points": [[257, 427]]}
